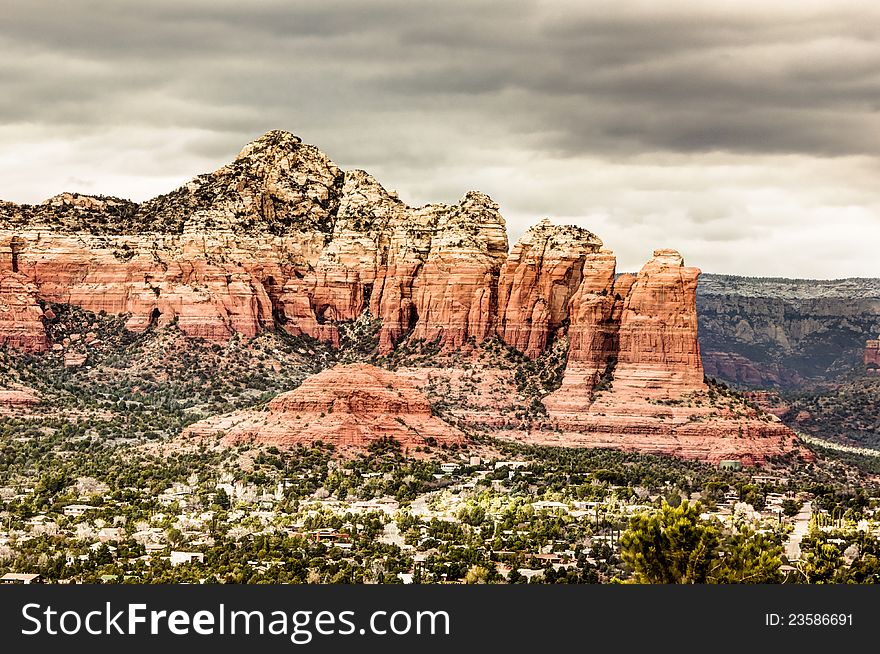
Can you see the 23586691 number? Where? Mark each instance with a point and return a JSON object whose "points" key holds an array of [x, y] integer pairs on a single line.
{"points": [[819, 620]]}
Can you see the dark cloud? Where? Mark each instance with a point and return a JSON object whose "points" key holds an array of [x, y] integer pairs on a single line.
{"points": [[436, 98]]}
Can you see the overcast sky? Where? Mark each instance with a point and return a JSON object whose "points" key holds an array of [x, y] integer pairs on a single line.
{"points": [[745, 134]]}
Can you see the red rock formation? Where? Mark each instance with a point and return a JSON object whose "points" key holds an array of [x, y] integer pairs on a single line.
{"points": [[283, 237], [638, 333], [872, 355], [708, 425], [594, 312], [21, 324], [350, 406], [751, 440], [13, 399], [543, 271], [454, 292], [658, 347], [634, 378]]}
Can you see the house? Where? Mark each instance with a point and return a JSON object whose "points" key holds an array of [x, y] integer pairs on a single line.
{"points": [[511, 464], [70, 558], [385, 505], [111, 534], [328, 534], [77, 510], [551, 557], [180, 558], [448, 468], [20, 578], [544, 504]]}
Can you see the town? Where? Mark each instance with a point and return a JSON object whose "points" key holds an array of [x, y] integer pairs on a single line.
{"points": [[516, 515]]}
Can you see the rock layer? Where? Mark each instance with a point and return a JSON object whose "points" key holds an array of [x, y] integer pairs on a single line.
{"points": [[542, 273], [350, 406], [794, 334], [280, 236], [16, 399], [21, 318], [638, 334], [658, 347]]}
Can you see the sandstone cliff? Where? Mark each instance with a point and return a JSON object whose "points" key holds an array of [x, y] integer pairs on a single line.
{"points": [[282, 238], [541, 274], [13, 400], [21, 324]]}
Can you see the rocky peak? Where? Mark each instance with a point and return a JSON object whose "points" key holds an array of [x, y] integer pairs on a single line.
{"points": [[83, 202], [547, 237], [271, 145], [276, 185], [542, 273], [365, 205]]}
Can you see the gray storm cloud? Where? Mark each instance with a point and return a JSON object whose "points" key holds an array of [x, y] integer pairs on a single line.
{"points": [[745, 135]]}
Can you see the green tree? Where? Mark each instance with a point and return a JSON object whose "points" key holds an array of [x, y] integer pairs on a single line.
{"points": [[822, 563], [671, 546], [791, 507], [221, 499], [748, 558]]}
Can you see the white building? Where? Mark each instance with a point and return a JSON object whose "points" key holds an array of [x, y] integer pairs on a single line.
{"points": [[180, 558]]}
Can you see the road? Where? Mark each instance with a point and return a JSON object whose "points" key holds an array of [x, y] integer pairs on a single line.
{"points": [[801, 527], [392, 535]]}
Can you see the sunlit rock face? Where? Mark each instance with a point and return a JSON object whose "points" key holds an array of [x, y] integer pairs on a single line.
{"points": [[350, 406]]}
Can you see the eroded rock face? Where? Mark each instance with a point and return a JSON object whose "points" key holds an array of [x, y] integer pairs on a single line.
{"points": [[21, 318], [541, 274], [454, 293], [350, 406], [282, 236], [13, 400], [634, 377], [279, 236], [637, 333], [658, 347]]}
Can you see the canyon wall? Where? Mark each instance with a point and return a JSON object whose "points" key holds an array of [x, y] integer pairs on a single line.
{"points": [[279, 237], [21, 317], [786, 333]]}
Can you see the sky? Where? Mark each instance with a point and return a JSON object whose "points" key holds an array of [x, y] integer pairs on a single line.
{"points": [[744, 134]]}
